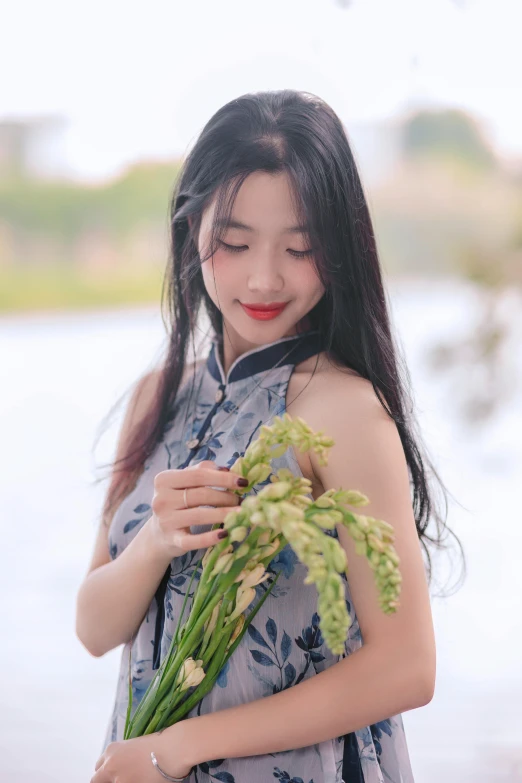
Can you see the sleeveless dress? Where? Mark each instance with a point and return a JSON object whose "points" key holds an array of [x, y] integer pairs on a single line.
{"points": [[283, 645]]}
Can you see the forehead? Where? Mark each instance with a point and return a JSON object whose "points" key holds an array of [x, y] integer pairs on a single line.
{"points": [[264, 202]]}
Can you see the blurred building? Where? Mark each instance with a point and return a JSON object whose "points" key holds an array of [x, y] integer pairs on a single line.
{"points": [[34, 147]]}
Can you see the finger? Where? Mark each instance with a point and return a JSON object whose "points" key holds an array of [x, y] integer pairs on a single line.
{"points": [[101, 776], [189, 541], [197, 515], [100, 762], [186, 477], [206, 496]]}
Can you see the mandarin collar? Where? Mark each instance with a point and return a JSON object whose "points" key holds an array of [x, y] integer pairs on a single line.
{"points": [[299, 347]]}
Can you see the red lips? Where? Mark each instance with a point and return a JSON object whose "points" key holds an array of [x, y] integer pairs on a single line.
{"points": [[264, 312]]}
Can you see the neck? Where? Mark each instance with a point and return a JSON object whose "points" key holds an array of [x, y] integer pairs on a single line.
{"points": [[234, 345]]}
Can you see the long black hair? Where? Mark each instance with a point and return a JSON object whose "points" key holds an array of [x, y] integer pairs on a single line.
{"points": [[299, 134]]}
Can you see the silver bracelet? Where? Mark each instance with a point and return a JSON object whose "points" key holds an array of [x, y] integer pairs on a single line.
{"points": [[167, 777]]}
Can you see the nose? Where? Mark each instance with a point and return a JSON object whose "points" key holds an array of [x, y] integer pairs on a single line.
{"points": [[266, 274]]}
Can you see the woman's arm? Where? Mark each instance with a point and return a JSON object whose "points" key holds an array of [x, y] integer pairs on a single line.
{"points": [[115, 594], [372, 684], [394, 670]]}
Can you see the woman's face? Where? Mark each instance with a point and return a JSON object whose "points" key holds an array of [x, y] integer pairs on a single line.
{"points": [[272, 263]]}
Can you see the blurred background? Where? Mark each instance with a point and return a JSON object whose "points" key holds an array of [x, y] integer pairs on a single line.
{"points": [[101, 103]]}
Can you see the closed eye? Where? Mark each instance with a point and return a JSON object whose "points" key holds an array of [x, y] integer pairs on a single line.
{"points": [[240, 248]]}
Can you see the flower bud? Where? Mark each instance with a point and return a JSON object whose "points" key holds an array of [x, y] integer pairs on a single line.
{"points": [[237, 630], [324, 502], [375, 559], [362, 523], [243, 600], [193, 679], [269, 549], [190, 673], [290, 511], [339, 558], [237, 467], [250, 503], [238, 534], [242, 550], [259, 473], [323, 519], [264, 538], [354, 498], [392, 555], [375, 543], [356, 533], [221, 564], [273, 515], [276, 491], [256, 451], [211, 622], [254, 577]]}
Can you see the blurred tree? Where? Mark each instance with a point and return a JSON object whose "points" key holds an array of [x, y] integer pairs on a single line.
{"points": [[483, 367], [452, 208], [450, 133]]}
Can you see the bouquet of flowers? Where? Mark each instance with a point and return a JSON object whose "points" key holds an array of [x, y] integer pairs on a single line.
{"points": [[280, 513]]}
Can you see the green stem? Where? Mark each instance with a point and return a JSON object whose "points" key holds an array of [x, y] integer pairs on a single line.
{"points": [[204, 581], [157, 679], [216, 638], [175, 637], [187, 645], [219, 659], [206, 685]]}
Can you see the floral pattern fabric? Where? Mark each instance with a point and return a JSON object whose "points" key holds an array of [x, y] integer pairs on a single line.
{"points": [[284, 645]]}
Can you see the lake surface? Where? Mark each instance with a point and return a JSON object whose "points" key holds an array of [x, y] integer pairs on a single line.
{"points": [[59, 376]]}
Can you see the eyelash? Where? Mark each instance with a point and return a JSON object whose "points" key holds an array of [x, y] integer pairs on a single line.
{"points": [[236, 249]]}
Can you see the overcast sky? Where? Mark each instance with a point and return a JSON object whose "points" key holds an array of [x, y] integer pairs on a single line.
{"points": [[140, 79]]}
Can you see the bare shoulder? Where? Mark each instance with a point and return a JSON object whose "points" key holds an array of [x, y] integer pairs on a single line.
{"points": [[320, 385], [322, 392]]}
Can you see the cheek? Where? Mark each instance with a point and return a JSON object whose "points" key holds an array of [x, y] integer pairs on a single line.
{"points": [[308, 282], [217, 272]]}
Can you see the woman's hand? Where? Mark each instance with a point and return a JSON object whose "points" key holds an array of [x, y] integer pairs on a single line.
{"points": [[171, 520], [129, 761]]}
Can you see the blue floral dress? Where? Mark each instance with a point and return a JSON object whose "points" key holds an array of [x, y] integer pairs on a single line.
{"points": [[284, 645]]}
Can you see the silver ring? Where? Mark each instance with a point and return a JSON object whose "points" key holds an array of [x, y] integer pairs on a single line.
{"points": [[185, 497], [167, 777]]}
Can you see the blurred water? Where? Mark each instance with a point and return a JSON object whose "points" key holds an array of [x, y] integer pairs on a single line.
{"points": [[60, 374]]}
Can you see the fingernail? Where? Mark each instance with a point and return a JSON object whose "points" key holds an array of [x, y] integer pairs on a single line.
{"points": [[242, 482], [222, 534], [224, 468]]}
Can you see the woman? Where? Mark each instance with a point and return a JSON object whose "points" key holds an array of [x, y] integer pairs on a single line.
{"points": [[271, 234]]}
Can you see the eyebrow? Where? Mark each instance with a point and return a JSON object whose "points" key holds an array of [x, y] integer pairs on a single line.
{"points": [[242, 226]]}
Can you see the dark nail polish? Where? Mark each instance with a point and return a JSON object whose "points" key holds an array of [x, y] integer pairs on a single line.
{"points": [[242, 482], [224, 468], [222, 534]]}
